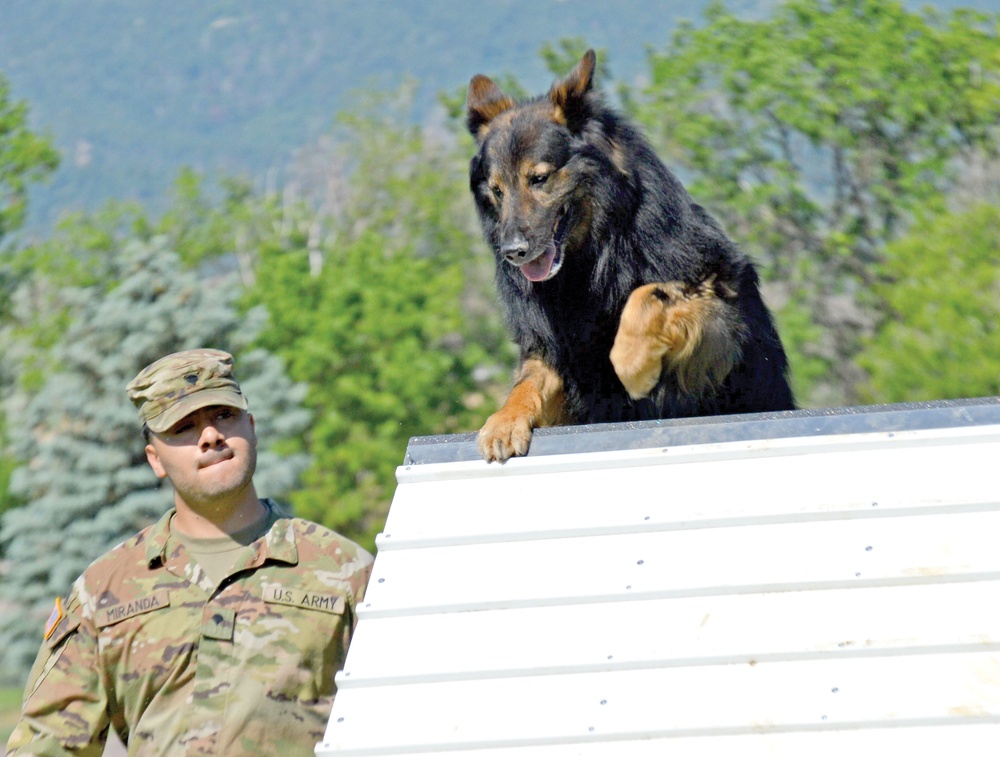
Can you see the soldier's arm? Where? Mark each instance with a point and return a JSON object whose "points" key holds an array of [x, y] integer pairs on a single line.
{"points": [[356, 572], [65, 705]]}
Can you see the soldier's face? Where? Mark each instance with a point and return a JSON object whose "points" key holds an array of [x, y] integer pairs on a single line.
{"points": [[209, 456]]}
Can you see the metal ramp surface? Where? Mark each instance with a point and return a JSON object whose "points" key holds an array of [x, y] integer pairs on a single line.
{"points": [[810, 582]]}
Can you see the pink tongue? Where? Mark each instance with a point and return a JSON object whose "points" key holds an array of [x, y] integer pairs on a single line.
{"points": [[539, 268]]}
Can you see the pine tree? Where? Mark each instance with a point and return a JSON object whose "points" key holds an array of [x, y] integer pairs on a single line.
{"points": [[84, 477], [25, 157]]}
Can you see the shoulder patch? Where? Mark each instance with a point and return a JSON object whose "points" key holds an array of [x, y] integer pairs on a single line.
{"points": [[54, 619]]}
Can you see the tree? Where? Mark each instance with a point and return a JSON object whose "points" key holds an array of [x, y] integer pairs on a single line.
{"points": [[376, 292], [83, 473], [816, 135], [24, 157], [942, 336], [36, 313]]}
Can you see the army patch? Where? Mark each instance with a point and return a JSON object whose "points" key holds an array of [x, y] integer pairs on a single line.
{"points": [[54, 619], [115, 613], [304, 598]]}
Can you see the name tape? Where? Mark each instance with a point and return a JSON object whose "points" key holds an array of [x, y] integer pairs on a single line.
{"points": [[116, 613], [304, 598]]}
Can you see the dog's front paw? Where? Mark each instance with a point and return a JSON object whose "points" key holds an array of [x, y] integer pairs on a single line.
{"points": [[505, 435], [642, 340]]}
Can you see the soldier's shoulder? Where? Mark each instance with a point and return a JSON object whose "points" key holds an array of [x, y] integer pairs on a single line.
{"points": [[123, 557], [322, 536], [326, 540]]}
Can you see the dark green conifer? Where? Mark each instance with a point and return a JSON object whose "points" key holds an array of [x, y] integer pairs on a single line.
{"points": [[84, 476]]}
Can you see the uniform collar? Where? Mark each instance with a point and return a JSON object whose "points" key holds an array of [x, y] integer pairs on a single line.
{"points": [[156, 540], [277, 544]]}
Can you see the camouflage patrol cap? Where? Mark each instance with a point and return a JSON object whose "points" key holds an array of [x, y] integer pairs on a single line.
{"points": [[178, 384]]}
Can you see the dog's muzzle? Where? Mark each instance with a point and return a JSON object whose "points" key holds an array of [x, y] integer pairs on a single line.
{"points": [[544, 265], [516, 251]]}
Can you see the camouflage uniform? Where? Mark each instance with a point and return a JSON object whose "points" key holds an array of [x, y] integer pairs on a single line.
{"points": [[179, 666], [146, 643]]}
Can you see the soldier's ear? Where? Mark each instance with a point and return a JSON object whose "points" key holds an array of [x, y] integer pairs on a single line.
{"points": [[154, 461]]}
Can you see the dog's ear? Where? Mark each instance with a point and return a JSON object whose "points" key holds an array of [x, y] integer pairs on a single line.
{"points": [[569, 95], [485, 102]]}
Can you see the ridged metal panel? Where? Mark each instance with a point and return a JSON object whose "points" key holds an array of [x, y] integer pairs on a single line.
{"points": [[751, 593]]}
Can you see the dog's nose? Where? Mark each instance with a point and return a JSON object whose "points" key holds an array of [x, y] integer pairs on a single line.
{"points": [[515, 250]]}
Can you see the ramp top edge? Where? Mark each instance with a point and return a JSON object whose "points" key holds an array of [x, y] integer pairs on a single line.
{"points": [[562, 440]]}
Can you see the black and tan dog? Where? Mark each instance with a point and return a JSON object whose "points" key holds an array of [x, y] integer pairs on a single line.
{"points": [[627, 300]]}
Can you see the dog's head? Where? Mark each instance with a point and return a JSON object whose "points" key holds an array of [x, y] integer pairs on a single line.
{"points": [[531, 172]]}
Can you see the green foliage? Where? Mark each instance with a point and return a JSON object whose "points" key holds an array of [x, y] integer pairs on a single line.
{"points": [[379, 313], [816, 134], [24, 157], [7, 464], [78, 256], [206, 230], [823, 87], [10, 709], [561, 57], [83, 474], [36, 311], [941, 338], [371, 336], [805, 344]]}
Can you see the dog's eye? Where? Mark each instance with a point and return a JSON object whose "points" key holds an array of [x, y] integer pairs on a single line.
{"points": [[497, 192], [538, 179]]}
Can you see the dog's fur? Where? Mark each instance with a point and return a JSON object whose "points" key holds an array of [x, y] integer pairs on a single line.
{"points": [[627, 300]]}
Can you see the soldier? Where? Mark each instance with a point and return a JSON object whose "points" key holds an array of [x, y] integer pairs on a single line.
{"points": [[217, 630]]}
